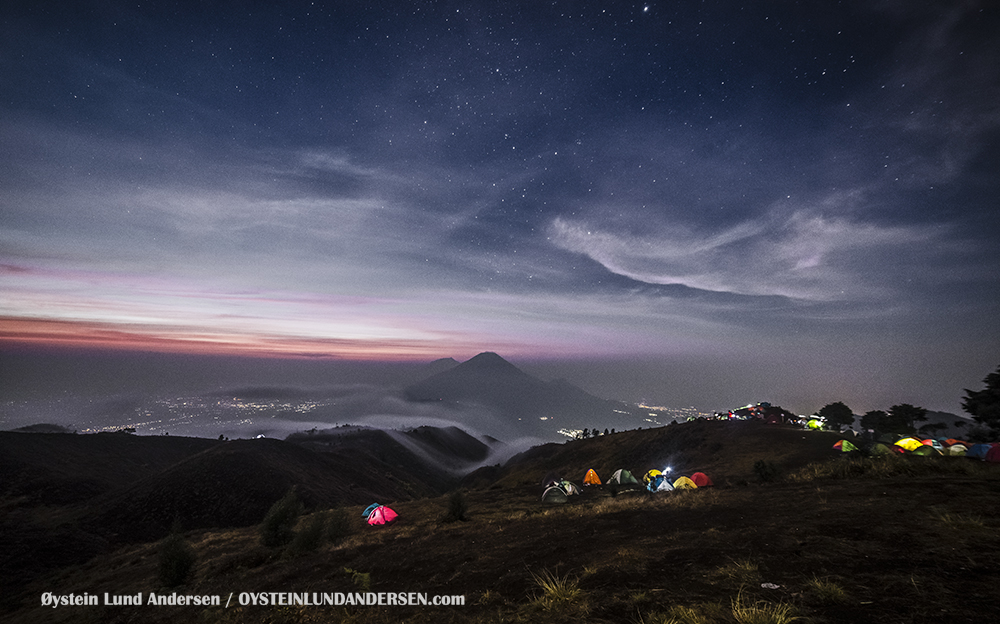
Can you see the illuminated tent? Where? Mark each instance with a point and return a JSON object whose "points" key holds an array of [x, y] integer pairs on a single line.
{"points": [[382, 515], [910, 444], [701, 479], [925, 450], [957, 449], [623, 477], [664, 484], [845, 446], [683, 483], [591, 478], [651, 475], [554, 494], [569, 487], [933, 442], [814, 424]]}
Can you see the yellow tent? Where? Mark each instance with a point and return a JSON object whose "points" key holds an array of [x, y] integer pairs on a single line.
{"points": [[652, 474], [909, 444], [591, 478], [684, 484]]}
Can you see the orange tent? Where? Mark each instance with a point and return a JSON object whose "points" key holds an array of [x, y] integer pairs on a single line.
{"points": [[591, 478]]}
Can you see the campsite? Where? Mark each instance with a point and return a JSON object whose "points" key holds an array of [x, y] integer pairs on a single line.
{"points": [[791, 527]]}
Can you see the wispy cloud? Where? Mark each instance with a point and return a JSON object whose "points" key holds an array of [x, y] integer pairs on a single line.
{"points": [[802, 254]]}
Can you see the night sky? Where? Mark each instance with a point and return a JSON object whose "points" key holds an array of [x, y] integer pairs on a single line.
{"points": [[681, 202]]}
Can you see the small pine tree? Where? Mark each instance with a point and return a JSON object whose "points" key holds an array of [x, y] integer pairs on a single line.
{"points": [[278, 527], [176, 558]]}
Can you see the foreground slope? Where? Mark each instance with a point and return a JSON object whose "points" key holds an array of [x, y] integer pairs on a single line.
{"points": [[902, 539]]}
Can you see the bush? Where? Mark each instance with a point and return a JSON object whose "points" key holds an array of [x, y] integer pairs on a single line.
{"points": [[278, 527], [311, 536], [338, 525], [765, 470], [176, 559], [457, 508]]}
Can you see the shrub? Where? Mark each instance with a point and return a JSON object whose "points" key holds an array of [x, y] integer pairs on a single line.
{"points": [[311, 536], [457, 508], [765, 470], [338, 525], [176, 559], [278, 527]]}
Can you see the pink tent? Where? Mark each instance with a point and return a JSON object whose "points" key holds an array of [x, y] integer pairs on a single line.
{"points": [[381, 515]]}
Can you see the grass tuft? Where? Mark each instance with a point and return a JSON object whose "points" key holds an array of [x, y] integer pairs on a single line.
{"points": [[762, 612], [826, 591], [559, 593]]}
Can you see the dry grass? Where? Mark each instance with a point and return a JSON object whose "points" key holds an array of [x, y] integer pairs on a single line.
{"points": [[826, 591], [737, 573], [746, 611]]}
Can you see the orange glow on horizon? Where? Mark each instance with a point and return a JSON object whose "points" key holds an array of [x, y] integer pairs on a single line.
{"points": [[69, 334]]}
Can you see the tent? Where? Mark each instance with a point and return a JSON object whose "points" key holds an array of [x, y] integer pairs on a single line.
{"points": [[369, 509], [554, 494], [814, 424], [683, 483], [651, 475], [957, 449], [664, 485], [701, 479], [880, 449], [382, 515], [653, 484], [925, 450], [591, 478], [933, 442], [845, 446], [910, 444], [552, 478], [979, 451], [993, 455], [623, 477], [569, 487]]}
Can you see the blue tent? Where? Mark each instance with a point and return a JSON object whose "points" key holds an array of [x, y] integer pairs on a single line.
{"points": [[368, 510], [978, 451]]}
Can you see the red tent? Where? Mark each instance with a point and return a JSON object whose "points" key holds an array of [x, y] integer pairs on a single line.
{"points": [[701, 479]]}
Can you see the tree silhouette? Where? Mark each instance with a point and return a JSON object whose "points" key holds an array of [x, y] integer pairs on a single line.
{"points": [[903, 417], [874, 420], [837, 415], [984, 405]]}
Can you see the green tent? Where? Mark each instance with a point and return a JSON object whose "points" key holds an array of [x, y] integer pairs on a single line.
{"points": [[554, 494], [880, 449], [623, 477], [814, 424], [925, 450]]}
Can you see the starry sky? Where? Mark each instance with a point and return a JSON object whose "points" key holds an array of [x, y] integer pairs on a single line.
{"points": [[668, 201]]}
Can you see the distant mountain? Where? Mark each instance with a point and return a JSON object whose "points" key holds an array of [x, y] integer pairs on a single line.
{"points": [[491, 382]]}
